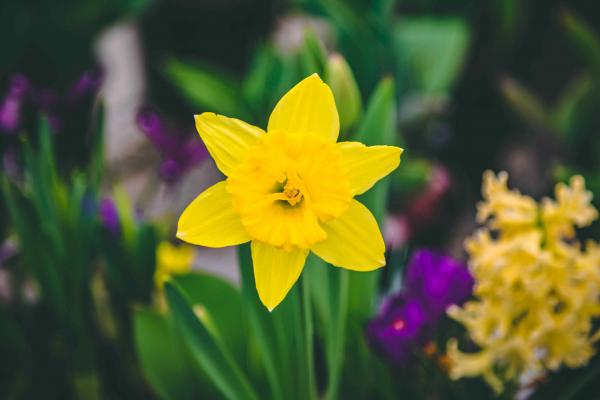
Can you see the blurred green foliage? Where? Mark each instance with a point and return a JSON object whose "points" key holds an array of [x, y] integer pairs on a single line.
{"points": [[72, 284]]}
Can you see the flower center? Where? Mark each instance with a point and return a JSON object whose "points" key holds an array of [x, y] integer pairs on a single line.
{"points": [[292, 191], [399, 325]]}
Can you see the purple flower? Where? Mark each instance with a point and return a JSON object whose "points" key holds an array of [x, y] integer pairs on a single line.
{"points": [[399, 328], [408, 319], [109, 216], [60, 110], [88, 84], [179, 152], [437, 281], [10, 108]]}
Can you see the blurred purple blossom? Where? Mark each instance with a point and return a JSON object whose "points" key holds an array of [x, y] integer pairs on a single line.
{"points": [[437, 281], [88, 84], [407, 320], [57, 108], [179, 152], [12, 104], [399, 328], [109, 215]]}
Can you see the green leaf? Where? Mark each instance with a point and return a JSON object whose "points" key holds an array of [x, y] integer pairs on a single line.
{"points": [[312, 55], [206, 88], [525, 104], [329, 290], [410, 178], [282, 336], [259, 77], [163, 365], [290, 75], [585, 40], [96, 168], [207, 351], [575, 106], [378, 127], [433, 49], [223, 303]]}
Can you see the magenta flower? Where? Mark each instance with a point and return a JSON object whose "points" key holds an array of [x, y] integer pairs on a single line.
{"points": [[407, 320], [437, 281], [398, 329]]}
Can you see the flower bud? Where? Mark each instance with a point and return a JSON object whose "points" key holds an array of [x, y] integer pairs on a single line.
{"points": [[340, 78]]}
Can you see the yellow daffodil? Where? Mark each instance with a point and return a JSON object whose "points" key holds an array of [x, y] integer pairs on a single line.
{"points": [[537, 289], [289, 191], [170, 260]]}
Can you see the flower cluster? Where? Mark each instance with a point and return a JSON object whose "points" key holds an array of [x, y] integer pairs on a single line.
{"points": [[433, 282], [537, 288]]}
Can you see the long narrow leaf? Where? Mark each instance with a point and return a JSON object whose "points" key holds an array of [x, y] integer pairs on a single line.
{"points": [[205, 87], [209, 353], [378, 127], [163, 365]]}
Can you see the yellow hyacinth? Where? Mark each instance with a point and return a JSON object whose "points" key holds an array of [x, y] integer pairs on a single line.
{"points": [[170, 260], [537, 289], [289, 191]]}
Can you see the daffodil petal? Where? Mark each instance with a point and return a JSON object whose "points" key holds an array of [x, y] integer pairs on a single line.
{"points": [[211, 221], [353, 240], [275, 271], [366, 165], [308, 108], [227, 139]]}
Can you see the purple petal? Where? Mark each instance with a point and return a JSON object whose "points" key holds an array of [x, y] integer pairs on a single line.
{"points": [[438, 281], [19, 85], [88, 83], [153, 126], [109, 216], [398, 329], [10, 113]]}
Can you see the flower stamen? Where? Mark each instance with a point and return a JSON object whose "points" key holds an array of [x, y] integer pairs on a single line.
{"points": [[293, 194], [292, 189]]}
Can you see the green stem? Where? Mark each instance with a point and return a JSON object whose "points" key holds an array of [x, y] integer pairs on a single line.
{"points": [[308, 334], [262, 324], [338, 339]]}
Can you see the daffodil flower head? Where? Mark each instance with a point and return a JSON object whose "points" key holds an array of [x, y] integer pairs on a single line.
{"points": [[290, 190]]}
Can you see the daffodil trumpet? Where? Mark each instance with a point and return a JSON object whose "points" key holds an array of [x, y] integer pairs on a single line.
{"points": [[290, 190]]}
